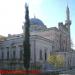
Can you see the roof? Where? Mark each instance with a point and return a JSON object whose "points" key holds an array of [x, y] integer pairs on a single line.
{"points": [[53, 28]]}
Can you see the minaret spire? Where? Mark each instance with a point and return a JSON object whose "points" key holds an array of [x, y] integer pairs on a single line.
{"points": [[68, 21], [68, 13]]}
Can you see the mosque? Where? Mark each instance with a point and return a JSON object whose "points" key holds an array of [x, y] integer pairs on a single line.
{"points": [[43, 41]]}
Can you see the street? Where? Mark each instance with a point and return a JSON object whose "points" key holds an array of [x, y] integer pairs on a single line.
{"points": [[69, 72]]}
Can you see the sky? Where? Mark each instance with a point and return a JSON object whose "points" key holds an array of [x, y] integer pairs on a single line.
{"points": [[12, 14]]}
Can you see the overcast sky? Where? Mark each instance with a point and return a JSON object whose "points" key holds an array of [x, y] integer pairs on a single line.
{"points": [[51, 12]]}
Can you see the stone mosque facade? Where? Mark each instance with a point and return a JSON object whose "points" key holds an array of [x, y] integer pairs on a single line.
{"points": [[43, 41]]}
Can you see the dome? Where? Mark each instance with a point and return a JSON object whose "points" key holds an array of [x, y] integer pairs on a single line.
{"points": [[35, 21]]}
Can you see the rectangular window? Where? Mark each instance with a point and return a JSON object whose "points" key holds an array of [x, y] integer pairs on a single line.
{"points": [[40, 54], [2, 56], [14, 54], [21, 54], [21, 51], [45, 53], [7, 55], [2, 53], [7, 52]]}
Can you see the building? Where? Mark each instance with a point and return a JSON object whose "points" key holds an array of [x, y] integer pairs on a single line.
{"points": [[60, 36], [43, 41], [11, 50]]}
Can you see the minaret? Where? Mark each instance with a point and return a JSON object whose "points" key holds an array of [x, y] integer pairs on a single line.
{"points": [[68, 13], [67, 24]]}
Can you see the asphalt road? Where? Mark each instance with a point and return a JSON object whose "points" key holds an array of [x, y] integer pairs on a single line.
{"points": [[69, 72]]}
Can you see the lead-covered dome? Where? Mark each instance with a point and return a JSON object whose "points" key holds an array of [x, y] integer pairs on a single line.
{"points": [[36, 21], [36, 25]]}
